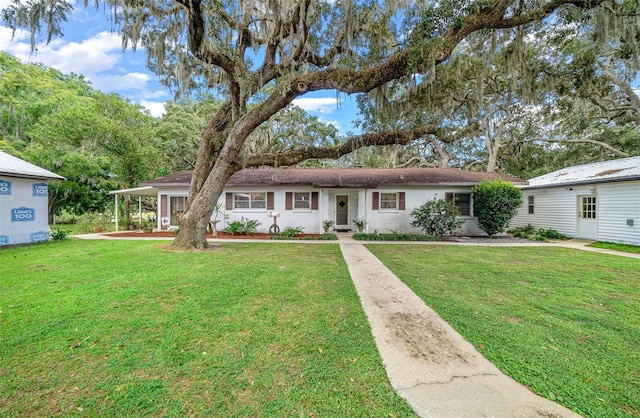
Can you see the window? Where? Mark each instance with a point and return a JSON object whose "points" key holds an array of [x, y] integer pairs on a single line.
{"points": [[531, 200], [588, 207], [388, 201], [462, 202], [176, 206], [249, 200], [302, 200]]}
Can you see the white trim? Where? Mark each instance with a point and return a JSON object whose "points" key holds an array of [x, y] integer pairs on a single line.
{"points": [[137, 191]]}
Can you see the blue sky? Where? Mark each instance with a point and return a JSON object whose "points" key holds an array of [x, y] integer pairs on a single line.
{"points": [[89, 47]]}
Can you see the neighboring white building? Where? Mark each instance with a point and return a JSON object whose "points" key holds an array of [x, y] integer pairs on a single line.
{"points": [[599, 201], [23, 201], [384, 197]]}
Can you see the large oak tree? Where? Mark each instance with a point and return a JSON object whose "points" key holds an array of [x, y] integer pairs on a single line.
{"points": [[260, 55]]}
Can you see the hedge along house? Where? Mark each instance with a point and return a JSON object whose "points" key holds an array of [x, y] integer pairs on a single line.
{"points": [[599, 201], [24, 201], [384, 197]]}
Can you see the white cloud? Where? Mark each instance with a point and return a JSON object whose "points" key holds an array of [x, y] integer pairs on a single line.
{"points": [[4, 3], [335, 123], [317, 104], [116, 82], [156, 108], [91, 56], [100, 58]]}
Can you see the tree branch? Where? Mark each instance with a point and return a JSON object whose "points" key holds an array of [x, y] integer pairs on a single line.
{"points": [[604, 145], [295, 156]]}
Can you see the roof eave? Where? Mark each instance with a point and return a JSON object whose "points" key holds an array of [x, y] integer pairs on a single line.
{"points": [[31, 176], [583, 182]]}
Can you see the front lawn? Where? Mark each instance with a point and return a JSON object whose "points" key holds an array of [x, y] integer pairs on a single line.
{"points": [[617, 247], [563, 322], [128, 328]]}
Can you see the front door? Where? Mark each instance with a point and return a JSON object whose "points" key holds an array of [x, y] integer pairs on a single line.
{"points": [[587, 218], [342, 212]]}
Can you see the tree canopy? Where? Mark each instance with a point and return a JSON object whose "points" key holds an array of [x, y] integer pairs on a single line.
{"points": [[258, 56], [98, 142]]}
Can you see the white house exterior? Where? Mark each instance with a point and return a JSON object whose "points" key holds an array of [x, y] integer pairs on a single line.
{"points": [[307, 197], [599, 201], [23, 201]]}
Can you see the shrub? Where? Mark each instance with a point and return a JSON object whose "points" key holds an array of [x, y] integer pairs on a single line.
{"points": [[360, 223], [394, 237], [327, 224], [326, 237], [495, 203], [233, 228], [529, 232], [290, 231], [436, 217], [550, 234], [59, 235], [243, 226], [523, 231]]}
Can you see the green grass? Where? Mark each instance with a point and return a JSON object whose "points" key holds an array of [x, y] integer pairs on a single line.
{"points": [[563, 322], [128, 328], [617, 247]]}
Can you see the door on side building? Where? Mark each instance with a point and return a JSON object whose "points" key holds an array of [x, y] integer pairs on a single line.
{"points": [[587, 217]]}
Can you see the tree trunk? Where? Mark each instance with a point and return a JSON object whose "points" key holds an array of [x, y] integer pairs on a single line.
{"points": [[51, 207], [201, 203]]}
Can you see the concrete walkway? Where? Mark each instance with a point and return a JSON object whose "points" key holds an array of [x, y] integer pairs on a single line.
{"points": [[427, 362]]}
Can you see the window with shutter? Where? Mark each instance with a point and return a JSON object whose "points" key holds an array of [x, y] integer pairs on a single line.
{"points": [[461, 200], [247, 200]]}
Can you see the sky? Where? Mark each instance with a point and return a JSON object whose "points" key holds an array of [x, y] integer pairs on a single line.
{"points": [[89, 47]]}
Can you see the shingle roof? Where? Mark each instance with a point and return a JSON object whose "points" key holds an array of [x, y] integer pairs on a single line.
{"points": [[15, 167], [624, 169], [344, 177]]}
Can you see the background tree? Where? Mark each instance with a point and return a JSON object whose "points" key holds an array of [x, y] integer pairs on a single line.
{"points": [[178, 131], [263, 55], [99, 142]]}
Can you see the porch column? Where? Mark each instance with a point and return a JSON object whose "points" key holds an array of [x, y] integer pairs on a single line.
{"points": [[116, 213]]}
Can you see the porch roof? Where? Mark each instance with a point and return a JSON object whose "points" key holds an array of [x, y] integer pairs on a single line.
{"points": [[137, 191], [343, 177]]}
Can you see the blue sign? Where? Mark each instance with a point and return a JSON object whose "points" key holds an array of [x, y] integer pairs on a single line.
{"points": [[23, 214], [40, 236], [5, 187], [4, 239], [40, 189]]}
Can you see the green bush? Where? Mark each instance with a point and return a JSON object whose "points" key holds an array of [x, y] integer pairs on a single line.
{"points": [[529, 232], [523, 231], [394, 237], [59, 235], [243, 226], [436, 217], [551, 234], [495, 203], [323, 237], [290, 231]]}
